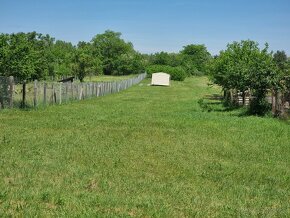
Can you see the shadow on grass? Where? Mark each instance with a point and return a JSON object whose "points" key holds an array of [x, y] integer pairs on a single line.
{"points": [[215, 103], [214, 97]]}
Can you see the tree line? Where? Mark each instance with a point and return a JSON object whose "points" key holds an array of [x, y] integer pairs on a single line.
{"points": [[243, 66], [192, 60], [36, 56], [29, 56]]}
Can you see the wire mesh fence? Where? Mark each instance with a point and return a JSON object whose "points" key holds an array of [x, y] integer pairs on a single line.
{"points": [[6, 92], [40, 93]]}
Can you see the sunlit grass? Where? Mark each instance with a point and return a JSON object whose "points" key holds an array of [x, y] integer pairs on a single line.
{"points": [[145, 152], [107, 78]]}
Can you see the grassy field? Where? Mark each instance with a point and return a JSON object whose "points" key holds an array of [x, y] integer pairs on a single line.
{"points": [[107, 78], [144, 152]]}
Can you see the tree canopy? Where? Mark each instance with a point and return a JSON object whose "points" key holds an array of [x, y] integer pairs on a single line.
{"points": [[35, 56], [195, 57], [25, 55], [118, 57], [242, 66]]}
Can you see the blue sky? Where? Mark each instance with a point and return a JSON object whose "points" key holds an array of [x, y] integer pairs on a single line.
{"points": [[152, 26]]}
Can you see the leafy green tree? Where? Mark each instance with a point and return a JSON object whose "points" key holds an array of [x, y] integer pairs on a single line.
{"points": [[245, 66], [85, 63], [280, 58], [63, 56], [42, 45], [25, 55], [4, 54], [164, 58], [282, 62], [195, 58], [129, 64], [36, 56], [110, 47]]}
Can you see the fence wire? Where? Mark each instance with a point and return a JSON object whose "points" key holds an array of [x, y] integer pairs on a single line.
{"points": [[35, 94], [6, 92]]}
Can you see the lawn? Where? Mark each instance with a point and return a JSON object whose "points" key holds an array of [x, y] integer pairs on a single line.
{"points": [[144, 152], [107, 78]]}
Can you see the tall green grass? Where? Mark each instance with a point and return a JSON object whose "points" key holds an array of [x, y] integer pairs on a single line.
{"points": [[145, 152], [107, 78]]}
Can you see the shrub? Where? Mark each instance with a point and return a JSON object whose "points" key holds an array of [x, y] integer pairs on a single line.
{"points": [[176, 73], [259, 106]]}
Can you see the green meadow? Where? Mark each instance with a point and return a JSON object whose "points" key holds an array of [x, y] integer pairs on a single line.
{"points": [[107, 78], [144, 152]]}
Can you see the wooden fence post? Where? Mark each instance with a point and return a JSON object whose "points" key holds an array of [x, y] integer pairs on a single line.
{"points": [[35, 94], [51, 97], [60, 92], [54, 94], [11, 91], [66, 92], [81, 92], [44, 93], [23, 94], [72, 91], [77, 91], [98, 89]]}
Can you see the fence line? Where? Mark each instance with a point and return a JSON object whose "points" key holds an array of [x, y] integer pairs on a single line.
{"points": [[47, 93], [6, 91], [278, 100]]}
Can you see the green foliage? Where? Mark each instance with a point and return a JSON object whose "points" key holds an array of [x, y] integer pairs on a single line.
{"points": [[245, 66], [164, 58], [25, 55], [156, 68], [283, 67], [63, 53], [129, 64], [36, 56], [280, 58], [176, 73], [118, 57], [195, 59], [260, 106], [85, 63]]}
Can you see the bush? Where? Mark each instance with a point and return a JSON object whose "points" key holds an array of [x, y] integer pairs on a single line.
{"points": [[155, 69], [259, 106], [176, 73]]}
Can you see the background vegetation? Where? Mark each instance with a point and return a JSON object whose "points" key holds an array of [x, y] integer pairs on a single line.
{"points": [[241, 67], [244, 66], [35, 56]]}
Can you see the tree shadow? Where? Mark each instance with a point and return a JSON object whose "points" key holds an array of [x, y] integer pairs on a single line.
{"points": [[214, 97], [215, 103]]}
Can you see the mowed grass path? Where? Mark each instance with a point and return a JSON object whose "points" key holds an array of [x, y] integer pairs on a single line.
{"points": [[144, 152]]}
